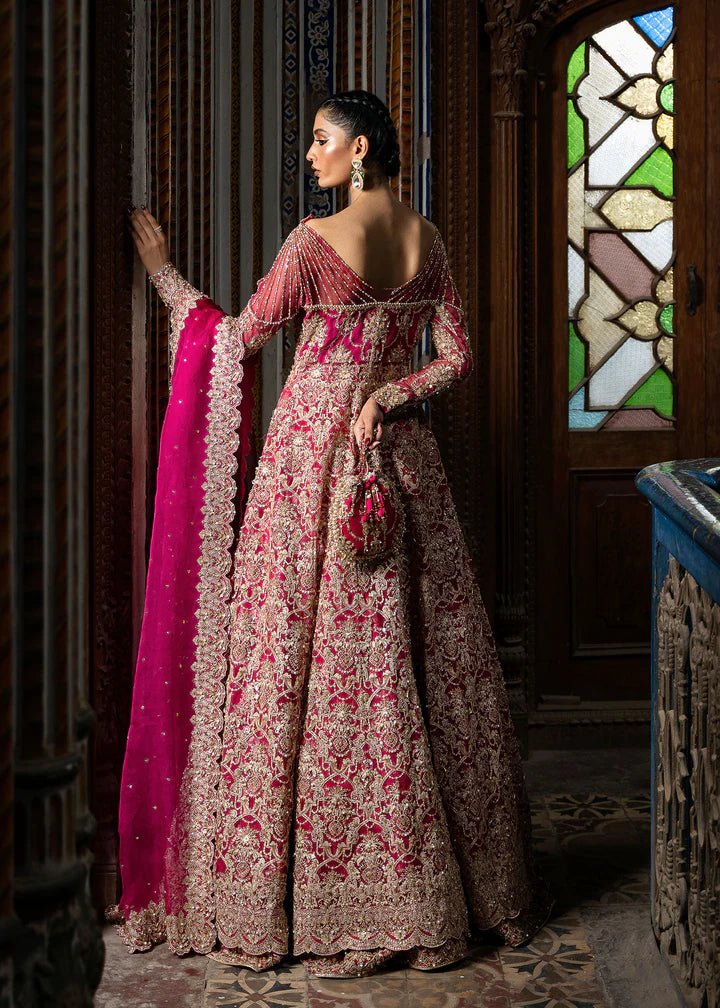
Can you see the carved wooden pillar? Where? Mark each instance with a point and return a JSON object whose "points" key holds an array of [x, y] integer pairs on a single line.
{"points": [[507, 34], [113, 477], [9, 924], [58, 951], [400, 87]]}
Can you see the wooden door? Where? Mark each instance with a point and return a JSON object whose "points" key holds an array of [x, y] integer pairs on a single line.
{"points": [[622, 329]]}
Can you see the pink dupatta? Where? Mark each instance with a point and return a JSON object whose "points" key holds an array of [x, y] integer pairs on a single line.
{"points": [[167, 783]]}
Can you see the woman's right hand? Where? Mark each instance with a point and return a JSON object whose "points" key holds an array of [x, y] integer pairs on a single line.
{"points": [[151, 245]]}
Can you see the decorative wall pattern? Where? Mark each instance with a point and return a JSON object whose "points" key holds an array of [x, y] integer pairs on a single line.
{"points": [[686, 911], [307, 44]]}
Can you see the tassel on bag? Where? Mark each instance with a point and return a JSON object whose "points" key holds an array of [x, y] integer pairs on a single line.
{"points": [[367, 514]]}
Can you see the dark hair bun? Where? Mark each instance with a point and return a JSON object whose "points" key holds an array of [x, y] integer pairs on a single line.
{"points": [[363, 112]]}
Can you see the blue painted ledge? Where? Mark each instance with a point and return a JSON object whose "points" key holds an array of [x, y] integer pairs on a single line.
{"points": [[688, 492]]}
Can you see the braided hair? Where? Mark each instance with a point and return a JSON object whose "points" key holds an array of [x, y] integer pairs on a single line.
{"points": [[363, 112]]}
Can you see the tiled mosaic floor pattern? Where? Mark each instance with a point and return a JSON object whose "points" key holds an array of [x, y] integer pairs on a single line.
{"points": [[596, 952]]}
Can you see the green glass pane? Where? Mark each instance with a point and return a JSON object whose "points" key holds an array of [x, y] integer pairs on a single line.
{"points": [[666, 319], [667, 97], [576, 135], [576, 65], [576, 358], [656, 392], [656, 170]]}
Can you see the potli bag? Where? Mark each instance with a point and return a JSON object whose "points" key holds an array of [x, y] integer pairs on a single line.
{"points": [[367, 513]]}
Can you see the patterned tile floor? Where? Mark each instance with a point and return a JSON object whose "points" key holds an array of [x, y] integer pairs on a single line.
{"points": [[598, 950]]}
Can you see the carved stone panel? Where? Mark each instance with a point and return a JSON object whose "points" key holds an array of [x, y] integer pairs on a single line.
{"points": [[686, 855]]}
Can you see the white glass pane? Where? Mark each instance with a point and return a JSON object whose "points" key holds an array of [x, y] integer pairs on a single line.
{"points": [[655, 245], [576, 280], [601, 81], [612, 382], [618, 155], [630, 50]]}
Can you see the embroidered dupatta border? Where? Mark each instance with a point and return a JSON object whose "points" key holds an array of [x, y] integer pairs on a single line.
{"points": [[194, 927], [188, 869]]}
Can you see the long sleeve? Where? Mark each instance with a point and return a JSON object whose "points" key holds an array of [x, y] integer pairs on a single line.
{"points": [[278, 297], [453, 360]]}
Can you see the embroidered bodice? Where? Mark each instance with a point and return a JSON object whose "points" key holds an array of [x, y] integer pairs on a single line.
{"points": [[347, 321]]}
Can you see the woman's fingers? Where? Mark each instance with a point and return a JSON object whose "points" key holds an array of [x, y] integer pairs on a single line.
{"points": [[151, 244], [138, 228], [364, 433], [149, 218], [378, 434], [143, 227]]}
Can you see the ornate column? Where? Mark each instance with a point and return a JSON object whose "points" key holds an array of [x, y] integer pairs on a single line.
{"points": [[510, 26], [506, 421], [44, 270]]}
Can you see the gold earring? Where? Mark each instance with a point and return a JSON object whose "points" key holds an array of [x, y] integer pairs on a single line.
{"points": [[357, 174]]}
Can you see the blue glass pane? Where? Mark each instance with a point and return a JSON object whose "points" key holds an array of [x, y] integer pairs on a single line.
{"points": [[657, 25], [579, 418]]}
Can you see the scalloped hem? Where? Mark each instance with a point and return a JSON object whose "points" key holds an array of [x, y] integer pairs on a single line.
{"points": [[520, 928], [237, 957], [452, 951], [143, 929], [365, 962], [348, 963]]}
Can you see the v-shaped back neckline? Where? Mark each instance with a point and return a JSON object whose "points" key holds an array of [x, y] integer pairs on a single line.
{"points": [[362, 280]]}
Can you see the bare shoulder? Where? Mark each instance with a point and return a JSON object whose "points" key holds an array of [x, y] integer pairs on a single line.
{"points": [[318, 224], [311, 223], [404, 223], [424, 231]]}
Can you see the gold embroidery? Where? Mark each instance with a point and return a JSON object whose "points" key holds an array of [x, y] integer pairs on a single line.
{"points": [[454, 361]]}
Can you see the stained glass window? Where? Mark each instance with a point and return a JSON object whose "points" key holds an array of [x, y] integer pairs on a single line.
{"points": [[620, 226]]}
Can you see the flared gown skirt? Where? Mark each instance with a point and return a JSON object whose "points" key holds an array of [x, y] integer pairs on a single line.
{"points": [[371, 791]]}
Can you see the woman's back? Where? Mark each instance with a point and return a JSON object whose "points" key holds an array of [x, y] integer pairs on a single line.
{"points": [[385, 245]]}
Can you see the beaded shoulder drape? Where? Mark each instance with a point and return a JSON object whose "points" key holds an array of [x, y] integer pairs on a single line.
{"points": [[321, 755]]}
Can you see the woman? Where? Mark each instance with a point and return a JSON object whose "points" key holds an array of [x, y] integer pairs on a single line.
{"points": [[317, 748]]}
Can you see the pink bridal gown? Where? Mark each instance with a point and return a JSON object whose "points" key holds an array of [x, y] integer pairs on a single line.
{"points": [[320, 759]]}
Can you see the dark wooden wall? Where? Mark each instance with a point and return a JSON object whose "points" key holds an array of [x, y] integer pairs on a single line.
{"points": [[51, 949], [114, 468]]}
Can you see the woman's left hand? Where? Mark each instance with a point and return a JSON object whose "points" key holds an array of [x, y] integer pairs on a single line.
{"points": [[368, 428], [150, 241]]}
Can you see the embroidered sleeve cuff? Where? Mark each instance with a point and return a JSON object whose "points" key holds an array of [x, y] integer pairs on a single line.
{"points": [[170, 285], [389, 396], [179, 295]]}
